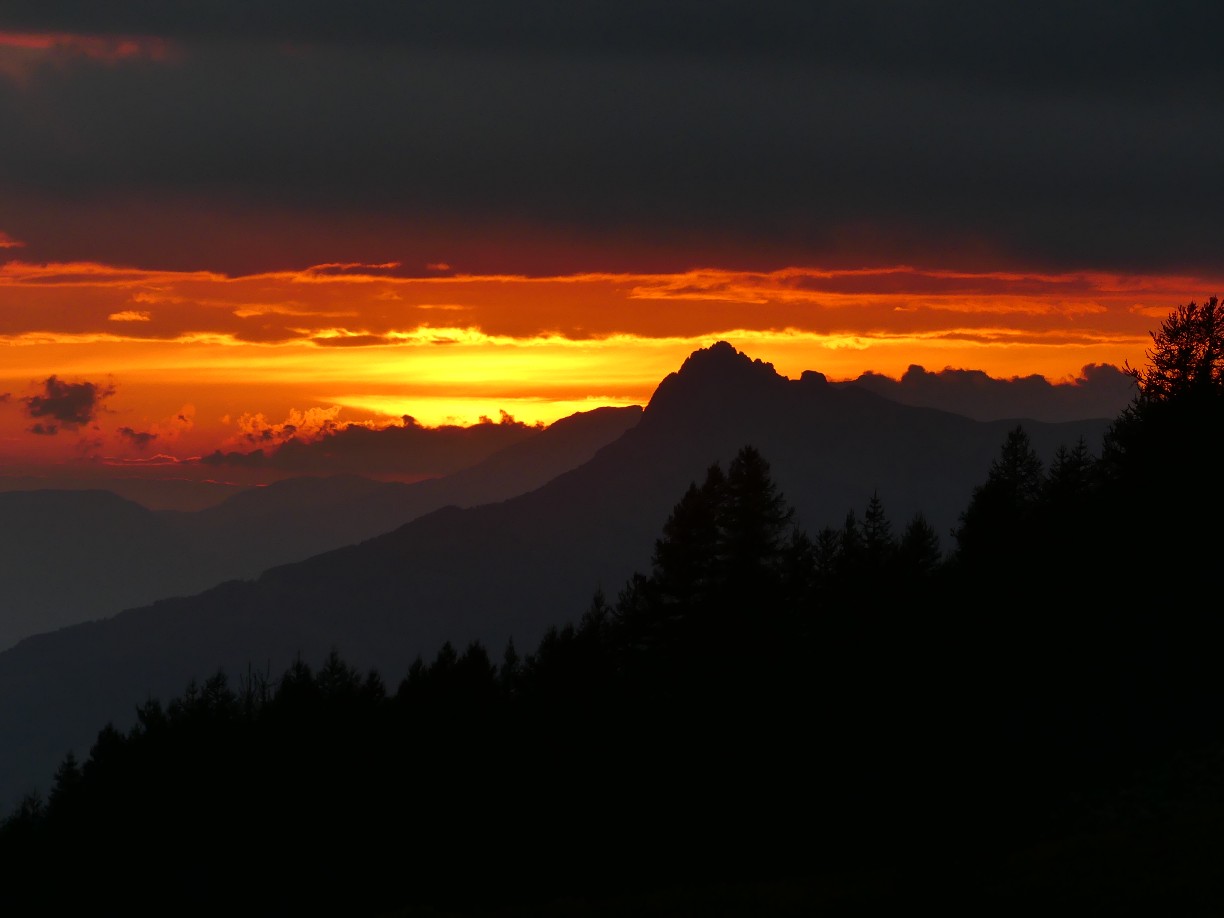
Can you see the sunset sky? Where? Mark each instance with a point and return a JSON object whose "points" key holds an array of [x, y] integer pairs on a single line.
{"points": [[225, 224]]}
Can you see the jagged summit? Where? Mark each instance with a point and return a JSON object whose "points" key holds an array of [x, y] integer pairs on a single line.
{"points": [[721, 359], [713, 377]]}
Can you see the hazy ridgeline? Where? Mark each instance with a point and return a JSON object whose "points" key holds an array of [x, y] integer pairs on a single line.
{"points": [[767, 720]]}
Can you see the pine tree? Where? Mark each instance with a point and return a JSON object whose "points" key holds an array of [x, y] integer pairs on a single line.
{"points": [[756, 522], [878, 543], [918, 553], [1168, 438], [999, 510], [686, 570], [67, 780], [852, 548], [1072, 475]]}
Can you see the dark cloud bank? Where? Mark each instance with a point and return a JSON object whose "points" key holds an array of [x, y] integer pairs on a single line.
{"points": [[1102, 391], [1049, 134], [408, 450]]}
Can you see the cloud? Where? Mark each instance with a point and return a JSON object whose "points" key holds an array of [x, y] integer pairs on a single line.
{"points": [[1009, 44], [407, 450], [1100, 391], [181, 422], [8, 242], [129, 315], [159, 459], [1073, 135], [254, 459], [100, 48], [352, 339], [65, 405], [139, 439], [303, 426]]}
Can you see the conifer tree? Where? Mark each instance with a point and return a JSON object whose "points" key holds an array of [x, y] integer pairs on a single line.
{"points": [[995, 522], [878, 542], [851, 547], [66, 781], [755, 521], [1072, 475], [685, 567], [919, 553]]}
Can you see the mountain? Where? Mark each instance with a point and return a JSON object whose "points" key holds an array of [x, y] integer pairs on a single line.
{"points": [[299, 517], [508, 570], [154, 493], [68, 556], [72, 555]]}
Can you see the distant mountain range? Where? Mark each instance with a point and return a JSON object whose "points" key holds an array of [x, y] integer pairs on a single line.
{"points": [[69, 556], [498, 569]]}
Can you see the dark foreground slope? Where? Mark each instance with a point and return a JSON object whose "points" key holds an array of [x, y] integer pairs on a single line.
{"points": [[755, 727], [507, 570]]}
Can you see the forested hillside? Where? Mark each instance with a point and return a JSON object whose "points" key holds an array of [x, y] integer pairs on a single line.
{"points": [[776, 720]]}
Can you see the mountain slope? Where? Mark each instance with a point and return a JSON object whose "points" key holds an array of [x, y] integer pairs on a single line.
{"points": [[299, 517], [73, 556], [509, 569], [69, 555]]}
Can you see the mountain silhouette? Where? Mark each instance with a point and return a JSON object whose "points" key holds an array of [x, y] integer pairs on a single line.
{"points": [[72, 555], [509, 569], [69, 556], [296, 518]]}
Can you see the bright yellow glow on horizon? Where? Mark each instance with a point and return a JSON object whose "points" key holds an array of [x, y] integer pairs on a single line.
{"points": [[377, 345]]}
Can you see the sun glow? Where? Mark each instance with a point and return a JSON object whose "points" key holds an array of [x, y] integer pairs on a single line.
{"points": [[373, 344]]}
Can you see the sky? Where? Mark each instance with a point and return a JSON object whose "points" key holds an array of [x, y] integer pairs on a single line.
{"points": [[228, 225]]}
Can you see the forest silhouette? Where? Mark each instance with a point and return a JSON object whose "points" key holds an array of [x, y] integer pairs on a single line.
{"points": [[853, 716]]}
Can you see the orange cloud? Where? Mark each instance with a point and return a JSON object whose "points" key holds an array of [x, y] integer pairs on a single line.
{"points": [[377, 344], [379, 306], [303, 426]]}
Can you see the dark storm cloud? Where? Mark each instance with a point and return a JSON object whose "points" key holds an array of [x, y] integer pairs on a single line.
{"points": [[1101, 391], [1073, 136], [66, 405]]}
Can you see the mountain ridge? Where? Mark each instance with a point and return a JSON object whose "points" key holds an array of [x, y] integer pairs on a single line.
{"points": [[510, 569], [156, 554]]}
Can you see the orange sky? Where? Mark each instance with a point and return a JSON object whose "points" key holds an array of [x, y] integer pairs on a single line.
{"points": [[512, 211], [185, 362]]}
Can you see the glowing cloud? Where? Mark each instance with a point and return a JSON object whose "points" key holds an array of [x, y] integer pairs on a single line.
{"points": [[284, 352], [304, 426]]}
